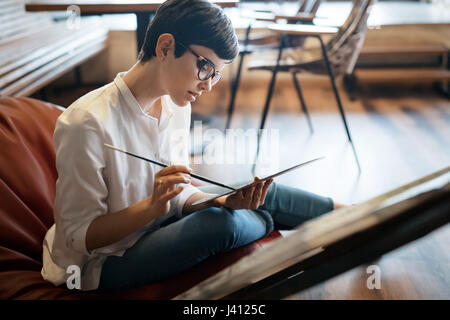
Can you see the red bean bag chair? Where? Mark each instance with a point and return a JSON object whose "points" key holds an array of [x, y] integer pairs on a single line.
{"points": [[27, 193]]}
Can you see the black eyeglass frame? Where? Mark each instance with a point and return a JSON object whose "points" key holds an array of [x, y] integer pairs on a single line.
{"points": [[215, 75]]}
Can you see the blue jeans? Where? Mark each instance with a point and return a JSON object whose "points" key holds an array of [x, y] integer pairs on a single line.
{"points": [[181, 244]]}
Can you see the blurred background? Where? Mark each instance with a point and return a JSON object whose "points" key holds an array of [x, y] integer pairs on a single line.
{"points": [[395, 99]]}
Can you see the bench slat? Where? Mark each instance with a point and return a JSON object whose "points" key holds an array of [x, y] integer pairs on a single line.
{"points": [[5, 44], [34, 50], [55, 38], [28, 23], [29, 53], [7, 3], [8, 8], [404, 50], [41, 77], [13, 48], [5, 18], [51, 55], [402, 74]]}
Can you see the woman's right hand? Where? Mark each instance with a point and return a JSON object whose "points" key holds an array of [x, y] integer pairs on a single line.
{"points": [[164, 187]]}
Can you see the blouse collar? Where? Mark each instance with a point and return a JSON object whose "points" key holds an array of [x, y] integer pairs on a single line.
{"points": [[166, 102]]}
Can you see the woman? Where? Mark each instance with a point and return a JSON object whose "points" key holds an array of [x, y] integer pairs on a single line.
{"points": [[126, 223]]}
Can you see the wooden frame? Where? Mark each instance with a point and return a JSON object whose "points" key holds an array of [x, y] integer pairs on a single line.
{"points": [[302, 29], [334, 243], [108, 6], [144, 10]]}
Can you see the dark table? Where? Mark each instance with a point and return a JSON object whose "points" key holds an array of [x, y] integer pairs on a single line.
{"points": [[143, 9]]}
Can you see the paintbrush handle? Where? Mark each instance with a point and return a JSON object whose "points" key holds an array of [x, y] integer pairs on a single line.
{"points": [[165, 165]]}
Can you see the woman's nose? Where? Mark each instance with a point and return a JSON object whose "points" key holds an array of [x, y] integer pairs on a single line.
{"points": [[206, 85]]}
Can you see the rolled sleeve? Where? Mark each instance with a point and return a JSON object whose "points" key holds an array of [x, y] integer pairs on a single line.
{"points": [[78, 238], [81, 190], [180, 155], [188, 191]]}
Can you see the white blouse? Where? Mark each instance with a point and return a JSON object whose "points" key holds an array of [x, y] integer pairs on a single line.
{"points": [[94, 180]]}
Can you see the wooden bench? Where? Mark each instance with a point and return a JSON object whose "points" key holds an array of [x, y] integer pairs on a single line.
{"points": [[35, 50], [401, 64], [427, 63]]}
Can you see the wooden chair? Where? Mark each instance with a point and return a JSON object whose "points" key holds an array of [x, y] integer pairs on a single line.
{"points": [[336, 58], [35, 50], [267, 41]]}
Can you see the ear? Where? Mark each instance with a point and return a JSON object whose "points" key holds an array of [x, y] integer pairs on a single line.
{"points": [[165, 46]]}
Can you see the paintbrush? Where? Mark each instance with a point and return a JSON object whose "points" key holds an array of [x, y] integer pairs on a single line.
{"points": [[194, 175]]}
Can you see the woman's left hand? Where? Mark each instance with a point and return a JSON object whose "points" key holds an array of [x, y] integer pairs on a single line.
{"points": [[250, 198]]}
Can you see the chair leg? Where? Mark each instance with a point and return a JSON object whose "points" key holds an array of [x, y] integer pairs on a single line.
{"points": [[235, 82], [43, 94], [234, 88], [350, 85], [78, 76], [265, 112], [268, 99], [338, 98], [302, 100]]}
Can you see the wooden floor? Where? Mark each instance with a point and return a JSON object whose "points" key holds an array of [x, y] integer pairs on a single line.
{"points": [[400, 133]]}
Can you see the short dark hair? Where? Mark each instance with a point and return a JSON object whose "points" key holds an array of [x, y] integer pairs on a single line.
{"points": [[198, 22]]}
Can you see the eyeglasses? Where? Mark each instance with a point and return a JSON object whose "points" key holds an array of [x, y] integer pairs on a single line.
{"points": [[206, 69]]}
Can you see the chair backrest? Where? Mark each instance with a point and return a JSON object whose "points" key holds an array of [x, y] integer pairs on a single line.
{"points": [[305, 6], [344, 48], [309, 6]]}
